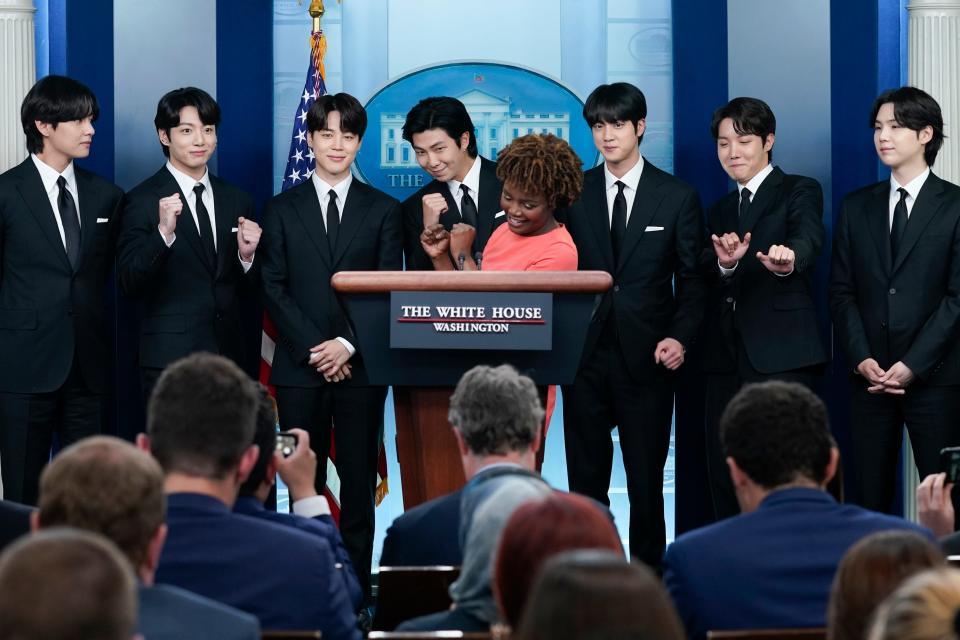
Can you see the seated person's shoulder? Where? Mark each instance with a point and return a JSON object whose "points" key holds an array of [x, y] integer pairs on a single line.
{"points": [[163, 599]]}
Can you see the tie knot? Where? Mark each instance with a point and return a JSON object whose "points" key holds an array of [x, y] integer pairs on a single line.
{"points": [[198, 189], [465, 189], [332, 194], [903, 194], [745, 194], [620, 187], [61, 182]]}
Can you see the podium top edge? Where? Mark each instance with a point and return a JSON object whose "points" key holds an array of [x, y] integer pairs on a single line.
{"points": [[525, 281]]}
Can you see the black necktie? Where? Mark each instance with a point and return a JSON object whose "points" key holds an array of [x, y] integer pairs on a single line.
{"points": [[70, 222], [468, 208], [333, 221], [206, 229], [899, 223], [744, 201], [618, 224]]}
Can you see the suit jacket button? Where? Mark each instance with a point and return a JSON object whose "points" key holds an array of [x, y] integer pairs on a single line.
{"points": [[883, 324], [893, 291], [616, 287], [729, 299]]}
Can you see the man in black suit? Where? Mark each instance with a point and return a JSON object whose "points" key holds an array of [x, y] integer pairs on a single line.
{"points": [[761, 320], [893, 295], [645, 228], [187, 271], [464, 188], [330, 223], [57, 231]]}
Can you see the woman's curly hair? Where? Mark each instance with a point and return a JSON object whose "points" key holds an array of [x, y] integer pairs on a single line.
{"points": [[542, 163]]}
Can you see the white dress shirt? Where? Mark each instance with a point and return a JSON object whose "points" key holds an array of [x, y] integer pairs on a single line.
{"points": [[49, 176], [472, 180], [323, 195], [913, 190], [631, 179], [186, 184]]}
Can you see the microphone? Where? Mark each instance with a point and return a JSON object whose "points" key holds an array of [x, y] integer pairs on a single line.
{"points": [[460, 260], [478, 258]]}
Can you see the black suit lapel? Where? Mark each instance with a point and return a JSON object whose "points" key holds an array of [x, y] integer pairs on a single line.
{"points": [[307, 206], [923, 212], [489, 202], [878, 221], [645, 204], [354, 212], [765, 195], [33, 193], [89, 206], [226, 222], [595, 208], [186, 224]]}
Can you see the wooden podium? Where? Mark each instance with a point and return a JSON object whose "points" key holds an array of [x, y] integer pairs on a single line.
{"points": [[423, 379]]}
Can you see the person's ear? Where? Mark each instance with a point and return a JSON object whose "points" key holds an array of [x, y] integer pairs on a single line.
{"points": [[143, 442], [925, 135], [164, 137], [641, 126], [737, 475], [768, 143], [35, 521], [247, 461], [464, 140], [461, 443]]}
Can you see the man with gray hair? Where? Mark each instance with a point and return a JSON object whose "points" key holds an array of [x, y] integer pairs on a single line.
{"points": [[496, 417]]}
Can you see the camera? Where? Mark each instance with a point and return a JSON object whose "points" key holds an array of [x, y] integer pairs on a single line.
{"points": [[287, 443]]}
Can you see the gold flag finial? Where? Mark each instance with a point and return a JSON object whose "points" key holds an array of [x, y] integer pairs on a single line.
{"points": [[316, 12]]}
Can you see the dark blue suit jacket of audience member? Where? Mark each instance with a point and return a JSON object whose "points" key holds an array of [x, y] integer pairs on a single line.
{"points": [[322, 526], [170, 613], [771, 568], [14, 521], [426, 535], [285, 577]]}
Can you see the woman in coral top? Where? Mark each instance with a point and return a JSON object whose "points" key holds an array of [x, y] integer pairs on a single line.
{"points": [[539, 173]]}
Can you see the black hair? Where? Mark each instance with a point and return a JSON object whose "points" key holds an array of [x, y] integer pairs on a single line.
{"points": [[170, 105], [201, 416], [914, 109], [55, 99], [777, 432], [264, 436], [444, 113], [353, 117], [750, 116], [620, 101]]}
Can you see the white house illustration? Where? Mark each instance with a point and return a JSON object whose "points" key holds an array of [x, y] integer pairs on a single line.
{"points": [[496, 122]]}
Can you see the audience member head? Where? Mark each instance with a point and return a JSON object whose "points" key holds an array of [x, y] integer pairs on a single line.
{"points": [[925, 607], [914, 110], [597, 595], [540, 173], [496, 414], [200, 422], [539, 530], [66, 584], [108, 486], [869, 572], [441, 133], [776, 435], [56, 100], [264, 472]]}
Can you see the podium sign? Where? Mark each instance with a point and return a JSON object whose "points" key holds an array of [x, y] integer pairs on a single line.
{"points": [[471, 320]]}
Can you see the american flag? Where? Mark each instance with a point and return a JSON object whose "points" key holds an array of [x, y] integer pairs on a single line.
{"points": [[300, 163]]}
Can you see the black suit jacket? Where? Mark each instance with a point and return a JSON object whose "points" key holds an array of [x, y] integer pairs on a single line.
{"points": [[906, 309], [489, 206], [186, 307], [426, 535], [297, 266], [48, 312], [775, 315], [14, 521], [644, 306]]}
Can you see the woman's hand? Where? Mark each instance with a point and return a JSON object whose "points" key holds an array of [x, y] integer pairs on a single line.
{"points": [[435, 241], [461, 240]]}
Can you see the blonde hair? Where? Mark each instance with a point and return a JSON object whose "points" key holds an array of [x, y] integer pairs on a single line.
{"points": [[924, 608]]}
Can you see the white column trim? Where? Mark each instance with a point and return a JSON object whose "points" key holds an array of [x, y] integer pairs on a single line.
{"points": [[17, 74]]}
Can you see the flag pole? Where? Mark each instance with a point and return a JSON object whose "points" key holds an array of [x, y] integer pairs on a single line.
{"points": [[316, 12]]}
